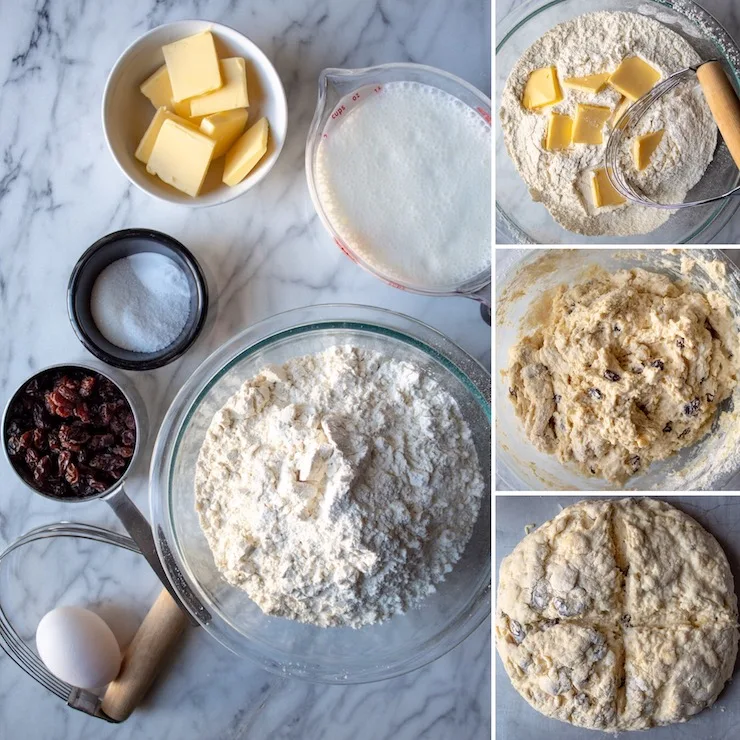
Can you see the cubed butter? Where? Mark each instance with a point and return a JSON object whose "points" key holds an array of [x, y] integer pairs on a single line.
{"points": [[644, 146], [144, 150], [588, 127], [542, 89], [233, 93], [158, 89], [634, 77], [603, 191], [180, 156], [248, 149], [619, 110], [192, 65], [559, 132], [224, 128], [589, 83]]}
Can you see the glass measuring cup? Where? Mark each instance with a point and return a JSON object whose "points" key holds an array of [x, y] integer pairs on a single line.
{"points": [[340, 90]]}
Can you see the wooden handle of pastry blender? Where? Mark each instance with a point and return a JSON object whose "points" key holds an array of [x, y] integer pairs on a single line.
{"points": [[143, 658], [724, 104]]}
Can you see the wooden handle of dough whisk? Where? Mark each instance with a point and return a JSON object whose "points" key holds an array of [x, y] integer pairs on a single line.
{"points": [[142, 660], [724, 104]]}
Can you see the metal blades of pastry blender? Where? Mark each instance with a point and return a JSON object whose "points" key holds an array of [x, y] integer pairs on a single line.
{"points": [[19, 652], [621, 129]]}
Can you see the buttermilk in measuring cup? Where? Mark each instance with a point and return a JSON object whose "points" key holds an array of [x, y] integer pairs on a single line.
{"points": [[405, 179]]}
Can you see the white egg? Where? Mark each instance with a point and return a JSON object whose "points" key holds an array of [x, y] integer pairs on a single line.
{"points": [[78, 647]]}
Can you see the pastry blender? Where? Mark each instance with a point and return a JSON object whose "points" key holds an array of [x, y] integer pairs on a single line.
{"points": [[724, 105]]}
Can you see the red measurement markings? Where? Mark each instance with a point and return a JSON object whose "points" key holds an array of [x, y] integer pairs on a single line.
{"points": [[339, 111], [345, 250], [485, 115], [377, 88]]}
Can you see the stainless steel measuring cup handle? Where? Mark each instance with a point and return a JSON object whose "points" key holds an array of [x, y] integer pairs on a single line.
{"points": [[141, 533]]}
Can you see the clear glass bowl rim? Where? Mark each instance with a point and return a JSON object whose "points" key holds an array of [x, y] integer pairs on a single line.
{"points": [[521, 14], [298, 321]]}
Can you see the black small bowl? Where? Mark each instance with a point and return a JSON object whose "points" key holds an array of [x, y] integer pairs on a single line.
{"points": [[116, 246]]}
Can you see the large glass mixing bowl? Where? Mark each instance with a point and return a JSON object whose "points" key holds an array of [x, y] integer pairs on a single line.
{"points": [[709, 464], [522, 221], [334, 655]]}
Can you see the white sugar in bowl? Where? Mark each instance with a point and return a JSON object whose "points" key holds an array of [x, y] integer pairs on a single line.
{"points": [[78, 647]]}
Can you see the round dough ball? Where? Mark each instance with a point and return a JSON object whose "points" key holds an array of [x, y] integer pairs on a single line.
{"points": [[618, 615]]}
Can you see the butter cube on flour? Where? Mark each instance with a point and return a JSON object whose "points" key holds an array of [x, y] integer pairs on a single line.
{"points": [[589, 83], [603, 191], [644, 146], [233, 93], [559, 132], [225, 128], [542, 89], [192, 66], [245, 153], [589, 123], [181, 156], [634, 77]]}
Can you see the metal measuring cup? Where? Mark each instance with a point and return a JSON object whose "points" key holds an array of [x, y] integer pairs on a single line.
{"points": [[168, 616]]}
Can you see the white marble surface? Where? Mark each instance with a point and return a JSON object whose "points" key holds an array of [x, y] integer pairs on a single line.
{"points": [[727, 12], [264, 252]]}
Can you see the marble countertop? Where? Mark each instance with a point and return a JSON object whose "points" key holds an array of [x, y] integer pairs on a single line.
{"points": [[727, 12], [264, 252]]}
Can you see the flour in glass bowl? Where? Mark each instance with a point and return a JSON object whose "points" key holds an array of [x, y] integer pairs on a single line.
{"points": [[590, 44], [338, 489], [405, 179]]}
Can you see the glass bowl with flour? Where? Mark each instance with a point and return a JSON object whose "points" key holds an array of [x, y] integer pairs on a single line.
{"points": [[576, 39], [398, 162], [381, 635]]}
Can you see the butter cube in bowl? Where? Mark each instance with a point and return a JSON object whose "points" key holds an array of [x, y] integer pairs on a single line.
{"points": [[179, 99]]}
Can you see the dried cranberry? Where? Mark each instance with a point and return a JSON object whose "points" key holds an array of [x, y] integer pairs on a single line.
{"points": [[14, 445], [87, 385], [101, 441], [72, 474], [107, 462], [82, 412], [128, 438], [123, 451], [64, 459], [32, 457], [73, 436], [96, 484], [41, 417], [42, 469], [39, 439], [53, 441], [26, 439]]}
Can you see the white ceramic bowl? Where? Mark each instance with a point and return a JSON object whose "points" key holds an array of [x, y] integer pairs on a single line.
{"points": [[127, 113]]}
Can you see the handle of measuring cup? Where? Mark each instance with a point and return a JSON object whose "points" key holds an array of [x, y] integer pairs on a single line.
{"points": [[724, 104]]}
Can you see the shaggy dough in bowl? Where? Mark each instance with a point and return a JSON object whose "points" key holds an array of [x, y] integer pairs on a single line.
{"points": [[623, 369], [618, 615]]}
